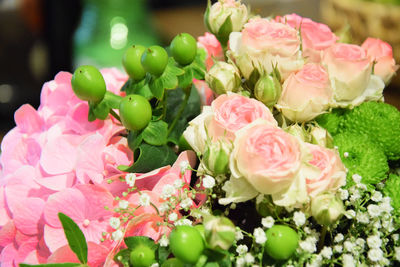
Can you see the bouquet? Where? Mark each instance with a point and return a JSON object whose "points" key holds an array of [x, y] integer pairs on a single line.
{"points": [[266, 142]]}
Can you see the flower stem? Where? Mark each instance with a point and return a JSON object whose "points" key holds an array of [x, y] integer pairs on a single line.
{"points": [[180, 111], [115, 115], [322, 239]]}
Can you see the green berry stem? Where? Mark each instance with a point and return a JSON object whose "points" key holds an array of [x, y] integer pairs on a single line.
{"points": [[322, 239], [180, 111], [115, 115]]}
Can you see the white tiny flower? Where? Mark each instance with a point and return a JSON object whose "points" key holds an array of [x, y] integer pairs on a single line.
{"points": [[208, 181], [397, 253], [309, 244], [164, 241], [344, 194], [377, 224], [144, 200], [374, 241], [130, 179], [356, 178], [241, 249], [173, 217], [183, 222], [349, 246], [260, 236], [362, 217], [346, 154], [348, 261], [123, 204], [167, 191], [178, 183], [360, 242], [350, 214], [186, 203], [115, 222], [376, 196], [164, 207], [248, 258], [375, 254], [117, 235], [362, 186], [184, 165], [307, 230], [338, 248], [355, 196], [267, 222], [240, 262], [338, 238], [239, 235], [299, 218], [395, 237], [374, 210], [385, 261], [326, 252], [385, 205]]}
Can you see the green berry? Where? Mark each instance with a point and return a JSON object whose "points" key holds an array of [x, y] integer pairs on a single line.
{"points": [[88, 84], [135, 112], [184, 48], [172, 262], [282, 242], [132, 62], [186, 243], [142, 256], [154, 60]]}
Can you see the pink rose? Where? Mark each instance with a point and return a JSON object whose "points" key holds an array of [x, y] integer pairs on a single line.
{"points": [[206, 94], [332, 171], [264, 44], [349, 69], [315, 37], [213, 48], [382, 53], [267, 157], [306, 94]]}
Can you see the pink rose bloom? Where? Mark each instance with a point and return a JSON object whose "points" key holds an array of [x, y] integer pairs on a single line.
{"points": [[382, 53], [349, 68], [315, 37], [206, 94], [213, 48], [306, 94], [267, 157], [332, 171], [263, 44]]}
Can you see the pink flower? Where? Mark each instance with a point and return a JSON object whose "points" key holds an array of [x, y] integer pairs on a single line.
{"points": [[267, 157], [206, 94], [213, 48], [264, 44], [349, 69], [85, 205], [332, 171], [382, 53], [315, 37], [306, 94]]}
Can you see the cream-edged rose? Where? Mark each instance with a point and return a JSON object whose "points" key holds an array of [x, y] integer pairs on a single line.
{"points": [[332, 173], [223, 77], [349, 68], [222, 10], [382, 53], [264, 44], [196, 133], [315, 37], [306, 94], [266, 156]]}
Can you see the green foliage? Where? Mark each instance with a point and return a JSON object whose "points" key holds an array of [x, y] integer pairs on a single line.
{"points": [[102, 109], [156, 133], [392, 190], [361, 156], [331, 121]]}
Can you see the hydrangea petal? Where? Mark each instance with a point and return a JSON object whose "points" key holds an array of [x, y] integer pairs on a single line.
{"points": [[27, 215]]}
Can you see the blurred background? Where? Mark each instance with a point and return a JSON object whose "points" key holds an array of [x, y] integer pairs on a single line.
{"points": [[39, 38]]}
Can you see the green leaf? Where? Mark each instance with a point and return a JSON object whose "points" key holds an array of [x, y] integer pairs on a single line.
{"points": [[66, 264], [156, 86], [156, 133], [133, 241], [140, 88], [162, 254], [135, 138], [224, 31], [123, 256], [75, 237], [151, 158], [186, 79]]}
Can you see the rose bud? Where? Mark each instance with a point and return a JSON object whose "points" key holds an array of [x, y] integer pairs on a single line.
{"points": [[219, 232], [297, 131], [223, 77], [268, 90], [320, 136], [224, 17], [216, 157], [326, 209]]}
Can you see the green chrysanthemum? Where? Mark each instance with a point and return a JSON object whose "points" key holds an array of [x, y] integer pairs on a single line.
{"points": [[391, 190], [378, 120], [331, 121], [362, 157]]}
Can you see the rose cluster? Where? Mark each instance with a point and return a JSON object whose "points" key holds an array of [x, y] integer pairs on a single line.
{"points": [[296, 65]]}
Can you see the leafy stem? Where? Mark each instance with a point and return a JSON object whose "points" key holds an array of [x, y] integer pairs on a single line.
{"points": [[180, 111]]}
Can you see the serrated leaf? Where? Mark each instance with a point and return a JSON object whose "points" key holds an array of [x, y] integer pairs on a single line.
{"points": [[66, 264], [156, 86], [186, 79], [151, 158], [133, 241], [156, 133], [140, 88], [76, 238], [170, 81]]}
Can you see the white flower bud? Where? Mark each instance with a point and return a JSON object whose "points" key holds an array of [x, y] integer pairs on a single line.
{"points": [[326, 209], [223, 77]]}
